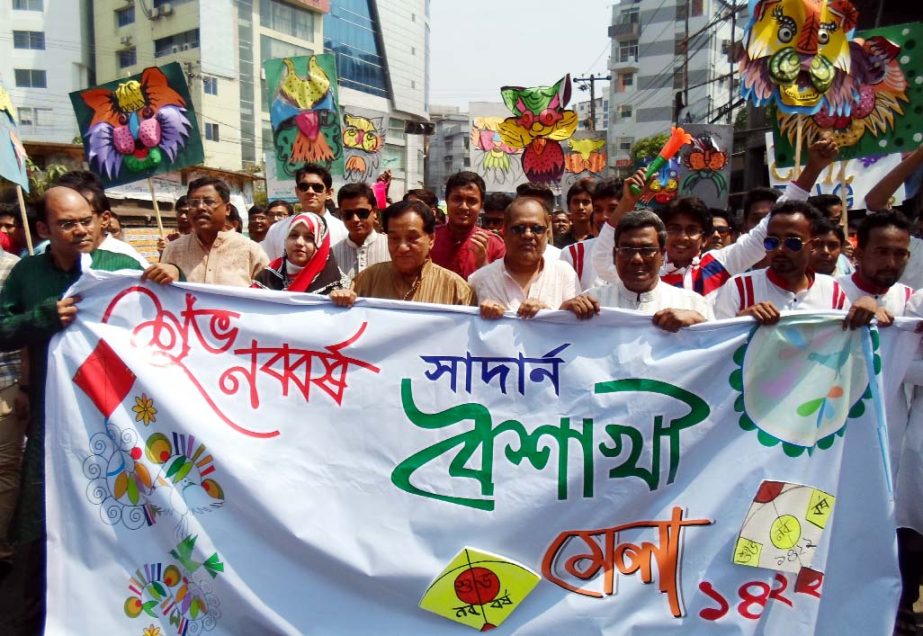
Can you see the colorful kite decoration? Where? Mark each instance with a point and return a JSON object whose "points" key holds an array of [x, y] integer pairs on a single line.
{"points": [[304, 112], [797, 55], [539, 123], [678, 138], [783, 527], [479, 589], [136, 127], [363, 140], [706, 163], [884, 90], [496, 161], [12, 154], [586, 154]]}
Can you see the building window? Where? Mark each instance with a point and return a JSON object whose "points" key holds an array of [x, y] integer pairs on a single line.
{"points": [[392, 158], [160, 3], [29, 40], [176, 43], [210, 85], [24, 117], [28, 5], [630, 16], [287, 19], [271, 49], [211, 132], [30, 78], [697, 8], [127, 58], [625, 111], [625, 143], [628, 79], [681, 10], [395, 129], [354, 37], [628, 51], [125, 16]]}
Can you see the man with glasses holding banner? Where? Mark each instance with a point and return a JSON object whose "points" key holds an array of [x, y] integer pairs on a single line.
{"points": [[363, 246], [209, 254]]}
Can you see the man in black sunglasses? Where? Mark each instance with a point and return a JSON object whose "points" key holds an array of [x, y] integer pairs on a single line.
{"points": [[363, 246], [788, 283]]}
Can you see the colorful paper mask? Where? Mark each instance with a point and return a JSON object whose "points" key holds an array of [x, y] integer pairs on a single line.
{"points": [[139, 126], [362, 139]]}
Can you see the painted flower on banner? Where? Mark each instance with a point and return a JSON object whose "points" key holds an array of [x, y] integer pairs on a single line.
{"points": [[178, 592], [800, 382], [134, 483], [151, 630], [144, 409]]}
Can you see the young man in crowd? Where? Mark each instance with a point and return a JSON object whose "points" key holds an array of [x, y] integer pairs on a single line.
{"points": [[460, 245], [560, 228], [580, 210], [524, 280], [313, 187], [493, 218], [722, 232], [257, 223], [210, 254], [827, 249], [605, 198], [788, 283], [363, 246]]}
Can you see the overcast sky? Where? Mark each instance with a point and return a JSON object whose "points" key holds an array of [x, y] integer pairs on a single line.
{"points": [[477, 46]]}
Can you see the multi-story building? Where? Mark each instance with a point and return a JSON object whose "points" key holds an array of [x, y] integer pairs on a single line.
{"points": [[382, 51], [449, 146], [669, 61], [44, 55], [584, 112]]}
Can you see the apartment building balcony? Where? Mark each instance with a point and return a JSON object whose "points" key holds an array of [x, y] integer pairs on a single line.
{"points": [[625, 31], [624, 63]]}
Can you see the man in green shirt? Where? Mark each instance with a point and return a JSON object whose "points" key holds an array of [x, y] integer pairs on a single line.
{"points": [[31, 312]]}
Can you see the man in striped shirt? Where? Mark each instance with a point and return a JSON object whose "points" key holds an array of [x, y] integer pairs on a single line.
{"points": [[788, 283], [363, 246]]}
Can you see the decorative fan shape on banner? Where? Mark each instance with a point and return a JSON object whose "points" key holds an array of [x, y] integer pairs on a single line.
{"points": [[800, 381], [479, 589]]}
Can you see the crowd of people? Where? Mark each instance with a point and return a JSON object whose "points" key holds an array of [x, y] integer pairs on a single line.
{"points": [[507, 255]]}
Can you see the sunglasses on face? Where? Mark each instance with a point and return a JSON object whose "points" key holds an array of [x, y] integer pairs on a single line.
{"points": [[361, 213], [791, 243], [316, 187], [536, 229], [720, 229], [647, 253]]}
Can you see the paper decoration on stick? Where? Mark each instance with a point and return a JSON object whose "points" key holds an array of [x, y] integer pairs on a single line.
{"points": [[796, 55], [479, 589], [885, 94], [363, 139], [678, 138], [12, 154], [136, 127], [304, 113], [784, 526], [705, 163], [540, 121]]}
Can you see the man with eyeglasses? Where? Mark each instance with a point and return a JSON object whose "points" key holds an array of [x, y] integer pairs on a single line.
{"points": [[210, 254], [688, 223], [722, 234], [363, 246], [640, 242], [788, 283], [31, 312], [525, 280], [313, 187]]}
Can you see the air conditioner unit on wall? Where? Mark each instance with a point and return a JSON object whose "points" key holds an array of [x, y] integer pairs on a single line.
{"points": [[174, 49], [126, 40], [166, 9], [184, 47]]}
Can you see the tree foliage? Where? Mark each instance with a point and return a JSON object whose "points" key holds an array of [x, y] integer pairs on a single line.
{"points": [[648, 147]]}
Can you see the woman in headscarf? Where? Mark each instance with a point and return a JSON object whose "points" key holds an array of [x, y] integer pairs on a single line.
{"points": [[308, 264]]}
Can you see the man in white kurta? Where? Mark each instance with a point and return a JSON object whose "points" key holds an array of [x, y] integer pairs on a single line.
{"points": [[525, 280]]}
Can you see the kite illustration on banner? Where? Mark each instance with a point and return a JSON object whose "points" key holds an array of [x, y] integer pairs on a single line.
{"points": [[496, 161], [136, 127], [884, 91], [363, 140], [479, 589], [783, 527], [540, 122], [304, 112], [12, 154]]}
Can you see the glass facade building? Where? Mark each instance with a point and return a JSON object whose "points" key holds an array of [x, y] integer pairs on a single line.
{"points": [[352, 34]]}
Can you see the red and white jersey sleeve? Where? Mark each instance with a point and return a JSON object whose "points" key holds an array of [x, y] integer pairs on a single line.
{"points": [[742, 291], [894, 300]]}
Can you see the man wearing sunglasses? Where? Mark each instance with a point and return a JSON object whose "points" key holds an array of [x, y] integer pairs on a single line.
{"points": [[524, 280], [363, 246], [722, 234], [313, 187], [788, 283]]}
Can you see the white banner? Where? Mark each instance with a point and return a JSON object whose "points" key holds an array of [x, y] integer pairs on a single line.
{"points": [[259, 463]]}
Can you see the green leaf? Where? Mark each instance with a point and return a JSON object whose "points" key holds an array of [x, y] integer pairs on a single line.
{"points": [[133, 495], [809, 407], [149, 608], [175, 465]]}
